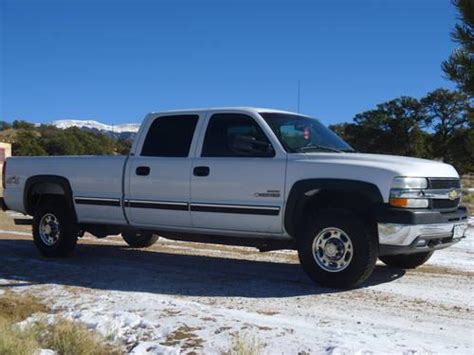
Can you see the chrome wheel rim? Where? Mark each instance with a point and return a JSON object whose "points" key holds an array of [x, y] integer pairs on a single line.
{"points": [[332, 249], [49, 229]]}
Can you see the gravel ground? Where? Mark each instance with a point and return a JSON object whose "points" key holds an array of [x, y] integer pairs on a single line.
{"points": [[179, 297]]}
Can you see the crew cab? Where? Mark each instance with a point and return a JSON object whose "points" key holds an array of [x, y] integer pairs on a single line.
{"points": [[245, 176]]}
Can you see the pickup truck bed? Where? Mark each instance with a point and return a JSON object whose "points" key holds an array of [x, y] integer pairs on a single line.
{"points": [[99, 176]]}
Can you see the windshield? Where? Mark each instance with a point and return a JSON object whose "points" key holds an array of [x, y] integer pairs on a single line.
{"points": [[301, 134]]}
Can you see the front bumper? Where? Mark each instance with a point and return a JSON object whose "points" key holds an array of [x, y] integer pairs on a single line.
{"points": [[409, 231]]}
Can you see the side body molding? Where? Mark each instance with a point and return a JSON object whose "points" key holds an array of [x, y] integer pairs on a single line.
{"points": [[304, 191]]}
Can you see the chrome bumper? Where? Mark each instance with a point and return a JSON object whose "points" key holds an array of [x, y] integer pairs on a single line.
{"points": [[404, 235]]}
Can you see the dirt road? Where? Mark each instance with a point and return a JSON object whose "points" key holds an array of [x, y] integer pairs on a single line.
{"points": [[183, 297]]}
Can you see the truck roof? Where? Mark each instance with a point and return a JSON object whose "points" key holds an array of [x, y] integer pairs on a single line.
{"points": [[229, 108]]}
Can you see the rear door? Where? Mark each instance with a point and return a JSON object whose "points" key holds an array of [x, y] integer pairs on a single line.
{"points": [[158, 190], [238, 178]]}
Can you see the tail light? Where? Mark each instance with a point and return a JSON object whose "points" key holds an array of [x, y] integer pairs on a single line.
{"points": [[4, 170]]}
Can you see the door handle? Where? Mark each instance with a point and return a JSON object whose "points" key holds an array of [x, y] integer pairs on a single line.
{"points": [[143, 171], [201, 171]]}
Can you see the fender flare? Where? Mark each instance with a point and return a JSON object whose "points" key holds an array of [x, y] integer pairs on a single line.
{"points": [[51, 179], [305, 190]]}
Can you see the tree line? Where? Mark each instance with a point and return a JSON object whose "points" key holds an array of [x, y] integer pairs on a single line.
{"points": [[438, 126], [30, 140]]}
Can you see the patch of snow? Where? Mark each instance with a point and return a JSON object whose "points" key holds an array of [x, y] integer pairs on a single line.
{"points": [[34, 318], [459, 256], [117, 325], [120, 128], [45, 352], [14, 214], [14, 232]]}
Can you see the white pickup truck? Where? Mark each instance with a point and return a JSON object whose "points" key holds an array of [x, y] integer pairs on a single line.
{"points": [[244, 176]]}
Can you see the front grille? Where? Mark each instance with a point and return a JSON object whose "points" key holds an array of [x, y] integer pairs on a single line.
{"points": [[446, 185], [439, 183], [444, 204]]}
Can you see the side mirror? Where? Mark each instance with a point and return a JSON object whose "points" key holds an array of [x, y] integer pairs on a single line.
{"points": [[247, 145]]}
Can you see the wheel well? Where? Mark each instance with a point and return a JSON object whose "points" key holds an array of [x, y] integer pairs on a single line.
{"points": [[361, 201], [39, 188], [359, 204]]}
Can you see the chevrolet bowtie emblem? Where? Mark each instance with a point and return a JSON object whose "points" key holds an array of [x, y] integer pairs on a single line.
{"points": [[453, 194]]}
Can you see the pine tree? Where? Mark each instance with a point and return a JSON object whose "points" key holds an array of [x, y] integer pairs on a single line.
{"points": [[460, 65]]}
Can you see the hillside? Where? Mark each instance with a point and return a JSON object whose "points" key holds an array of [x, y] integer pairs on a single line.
{"points": [[122, 131], [66, 138]]}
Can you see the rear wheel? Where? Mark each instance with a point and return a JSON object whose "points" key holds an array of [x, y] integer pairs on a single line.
{"points": [[406, 261], [55, 231], [140, 239], [335, 249]]}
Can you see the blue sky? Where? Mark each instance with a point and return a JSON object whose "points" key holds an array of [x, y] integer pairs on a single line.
{"points": [[113, 61]]}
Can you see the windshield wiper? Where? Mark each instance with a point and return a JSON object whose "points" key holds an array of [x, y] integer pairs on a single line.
{"points": [[319, 147]]}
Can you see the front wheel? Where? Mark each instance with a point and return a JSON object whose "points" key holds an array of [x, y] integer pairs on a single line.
{"points": [[406, 261], [139, 239], [336, 250]]}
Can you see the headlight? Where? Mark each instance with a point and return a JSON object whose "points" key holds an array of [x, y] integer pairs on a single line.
{"points": [[409, 183], [407, 192]]}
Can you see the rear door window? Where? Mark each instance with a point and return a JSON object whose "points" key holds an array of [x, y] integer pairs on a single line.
{"points": [[170, 136]]}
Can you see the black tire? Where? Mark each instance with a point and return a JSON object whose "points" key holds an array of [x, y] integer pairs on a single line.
{"points": [[359, 265], [406, 261], [140, 239], [65, 240]]}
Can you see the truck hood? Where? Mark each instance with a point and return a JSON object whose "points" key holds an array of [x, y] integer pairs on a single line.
{"points": [[377, 169], [399, 165]]}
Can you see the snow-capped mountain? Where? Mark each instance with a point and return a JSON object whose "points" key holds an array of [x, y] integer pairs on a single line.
{"points": [[94, 125]]}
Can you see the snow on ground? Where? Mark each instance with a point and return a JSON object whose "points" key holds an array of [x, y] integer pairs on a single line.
{"points": [[178, 297]]}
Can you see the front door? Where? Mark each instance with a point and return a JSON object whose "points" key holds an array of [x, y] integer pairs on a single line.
{"points": [[238, 180], [159, 174]]}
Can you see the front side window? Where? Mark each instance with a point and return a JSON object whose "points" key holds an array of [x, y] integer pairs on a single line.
{"points": [[170, 136], [301, 134], [235, 135]]}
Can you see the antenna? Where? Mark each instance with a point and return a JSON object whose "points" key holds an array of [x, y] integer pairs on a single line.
{"points": [[299, 95]]}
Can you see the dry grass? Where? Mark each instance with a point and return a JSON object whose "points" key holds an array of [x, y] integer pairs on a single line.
{"points": [[14, 307], [442, 270], [468, 201], [467, 182], [66, 337], [185, 337], [246, 345], [62, 336], [16, 342]]}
